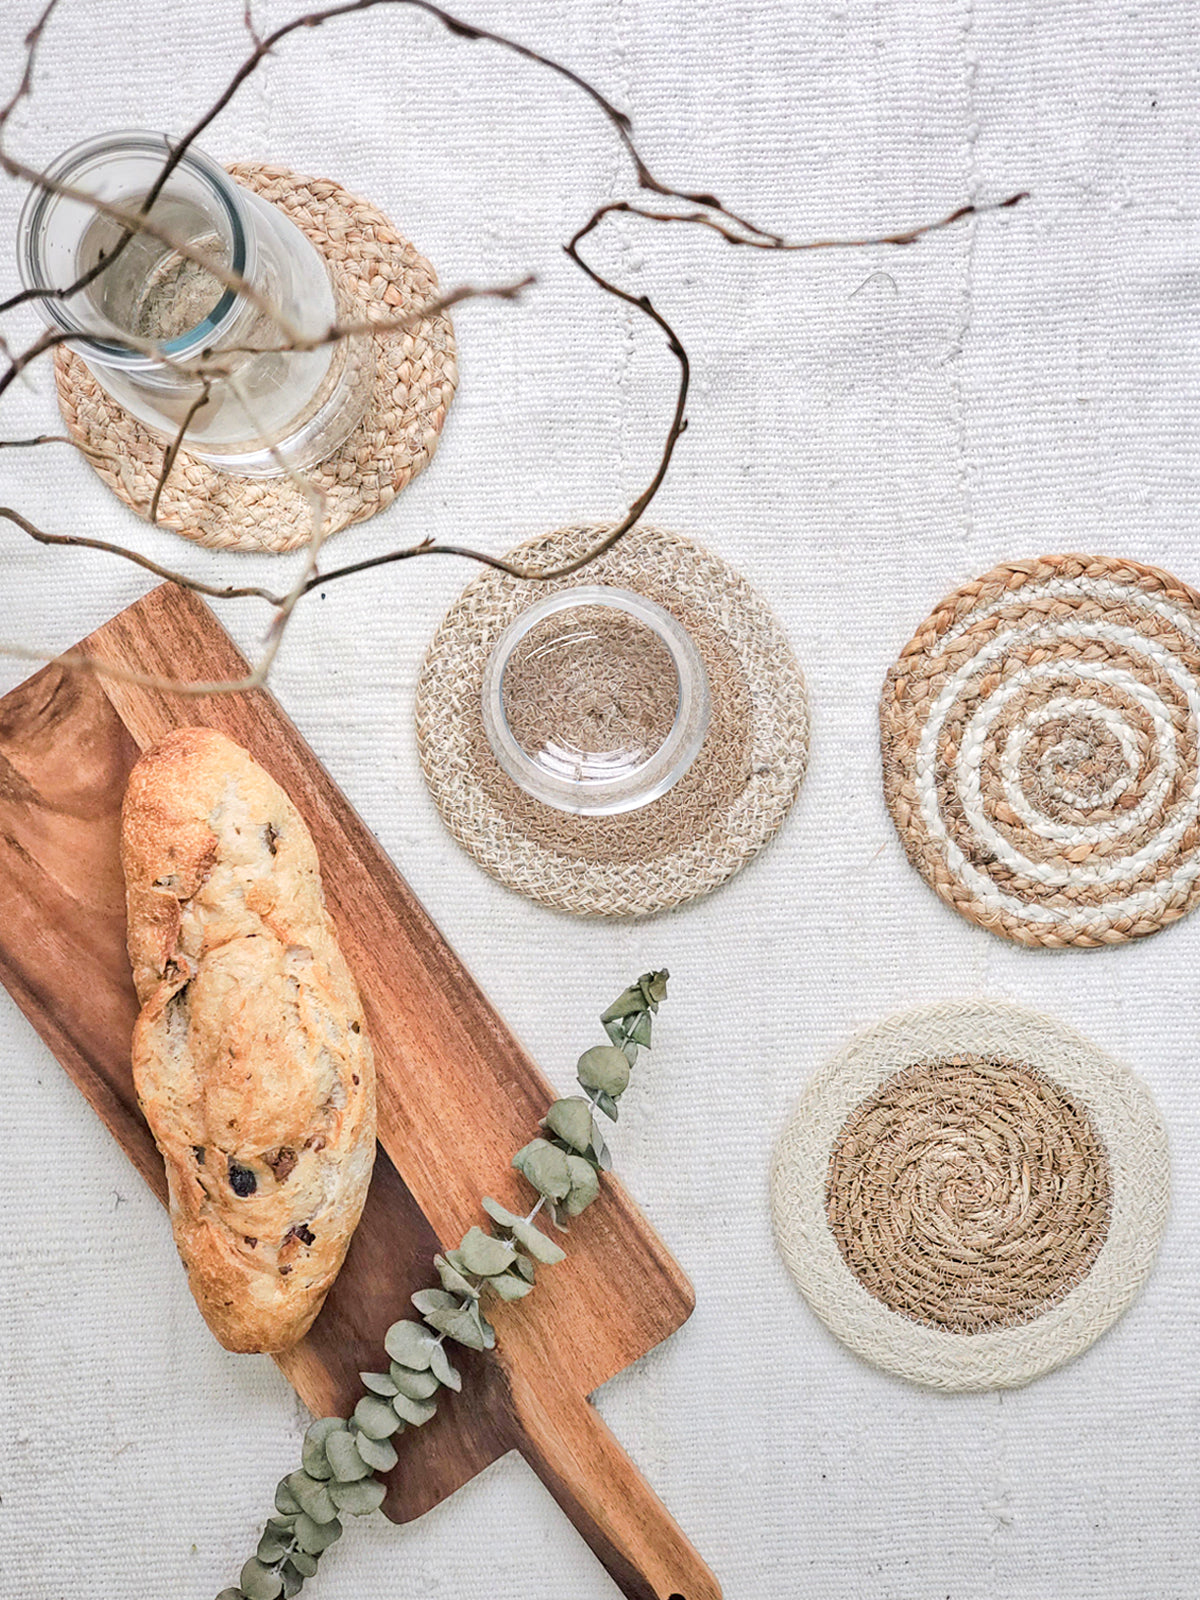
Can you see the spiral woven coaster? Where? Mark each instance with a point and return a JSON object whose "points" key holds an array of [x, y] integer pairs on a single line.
{"points": [[1040, 750], [970, 1194], [377, 275], [724, 809]]}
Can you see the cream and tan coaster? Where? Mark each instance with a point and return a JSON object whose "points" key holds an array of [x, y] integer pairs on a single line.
{"points": [[725, 808], [1040, 750], [377, 275], [970, 1194]]}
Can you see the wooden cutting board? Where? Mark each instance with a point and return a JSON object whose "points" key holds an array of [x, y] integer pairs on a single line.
{"points": [[457, 1094]]}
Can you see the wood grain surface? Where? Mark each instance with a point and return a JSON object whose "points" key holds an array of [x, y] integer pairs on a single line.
{"points": [[457, 1094]]}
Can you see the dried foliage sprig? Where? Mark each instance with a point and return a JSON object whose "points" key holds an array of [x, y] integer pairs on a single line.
{"points": [[712, 214], [342, 1458]]}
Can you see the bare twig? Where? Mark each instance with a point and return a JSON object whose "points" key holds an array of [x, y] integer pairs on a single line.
{"points": [[175, 446]]}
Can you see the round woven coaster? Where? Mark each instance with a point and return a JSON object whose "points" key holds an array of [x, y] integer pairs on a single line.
{"points": [[377, 274], [1040, 740], [724, 809], [970, 1194]]}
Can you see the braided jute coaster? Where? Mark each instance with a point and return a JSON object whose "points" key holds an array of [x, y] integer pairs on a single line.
{"points": [[377, 275], [1041, 750], [724, 809], [970, 1193]]}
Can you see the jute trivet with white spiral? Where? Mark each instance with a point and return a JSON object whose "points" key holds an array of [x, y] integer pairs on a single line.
{"points": [[377, 275], [726, 807], [1041, 750], [970, 1193]]}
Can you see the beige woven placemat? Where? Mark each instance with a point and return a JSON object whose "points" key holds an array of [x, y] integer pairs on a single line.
{"points": [[970, 1193], [377, 275], [724, 809], [1040, 741]]}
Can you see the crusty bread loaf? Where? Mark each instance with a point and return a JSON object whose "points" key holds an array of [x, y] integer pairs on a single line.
{"points": [[250, 1057]]}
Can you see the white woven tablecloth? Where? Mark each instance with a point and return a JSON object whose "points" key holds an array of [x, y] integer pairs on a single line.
{"points": [[859, 445]]}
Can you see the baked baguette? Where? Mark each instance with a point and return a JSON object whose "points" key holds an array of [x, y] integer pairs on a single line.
{"points": [[250, 1057]]}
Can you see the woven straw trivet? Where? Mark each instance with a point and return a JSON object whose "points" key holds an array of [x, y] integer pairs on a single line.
{"points": [[1040, 750], [724, 809], [377, 274], [970, 1194]]}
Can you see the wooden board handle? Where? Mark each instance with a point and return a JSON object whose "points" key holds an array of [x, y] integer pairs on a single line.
{"points": [[631, 1532]]}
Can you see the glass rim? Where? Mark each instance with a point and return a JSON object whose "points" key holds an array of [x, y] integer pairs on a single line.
{"points": [[661, 769], [35, 215]]}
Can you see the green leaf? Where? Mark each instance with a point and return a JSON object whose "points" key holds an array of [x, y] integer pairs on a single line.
{"points": [[526, 1268], [497, 1212], [605, 1068], [375, 1417], [416, 1385], [418, 1412], [281, 1525], [305, 1565], [427, 1300], [316, 1536], [640, 1034], [452, 1279], [231, 1594], [486, 1331], [571, 1120], [346, 1456], [445, 1373], [359, 1498], [654, 985], [285, 1500], [508, 1286], [292, 1581], [600, 1152], [626, 1003], [271, 1548], [585, 1185], [409, 1343], [535, 1241], [311, 1496], [606, 1103], [320, 1430], [259, 1582], [379, 1383], [379, 1454], [484, 1255], [460, 1326], [545, 1166], [314, 1460]]}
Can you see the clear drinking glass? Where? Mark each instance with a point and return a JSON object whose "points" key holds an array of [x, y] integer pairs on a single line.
{"points": [[293, 407], [595, 700]]}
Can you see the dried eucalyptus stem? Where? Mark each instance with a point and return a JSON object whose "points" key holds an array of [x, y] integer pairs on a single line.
{"points": [[342, 1458], [711, 214]]}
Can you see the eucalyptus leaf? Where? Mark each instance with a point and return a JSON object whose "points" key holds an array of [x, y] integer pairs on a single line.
{"points": [[379, 1383], [285, 1500], [571, 1120], [608, 1105], [379, 1454], [508, 1286], [281, 1525], [459, 1326], [304, 1564], [525, 1267], [427, 1300], [498, 1213], [585, 1185], [629, 1001], [346, 1457], [359, 1498], [445, 1373], [311, 1496], [452, 1279], [417, 1412], [631, 1051], [545, 1166], [375, 1417], [604, 1067], [409, 1343], [416, 1385], [320, 1430], [484, 1255], [231, 1594], [641, 1033], [532, 1238], [291, 1579], [259, 1582], [316, 1536], [600, 1152], [615, 1031], [271, 1548], [314, 1460], [655, 985]]}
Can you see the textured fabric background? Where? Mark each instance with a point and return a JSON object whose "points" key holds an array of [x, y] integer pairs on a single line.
{"points": [[859, 445]]}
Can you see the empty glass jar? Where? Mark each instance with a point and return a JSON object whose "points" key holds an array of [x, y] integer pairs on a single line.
{"points": [[595, 700], [274, 408]]}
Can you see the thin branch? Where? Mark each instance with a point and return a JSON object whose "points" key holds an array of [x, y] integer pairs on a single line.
{"points": [[175, 446], [31, 42]]}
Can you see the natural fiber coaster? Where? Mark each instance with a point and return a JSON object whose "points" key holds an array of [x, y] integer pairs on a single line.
{"points": [[725, 808], [1041, 750], [376, 275], [970, 1194]]}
